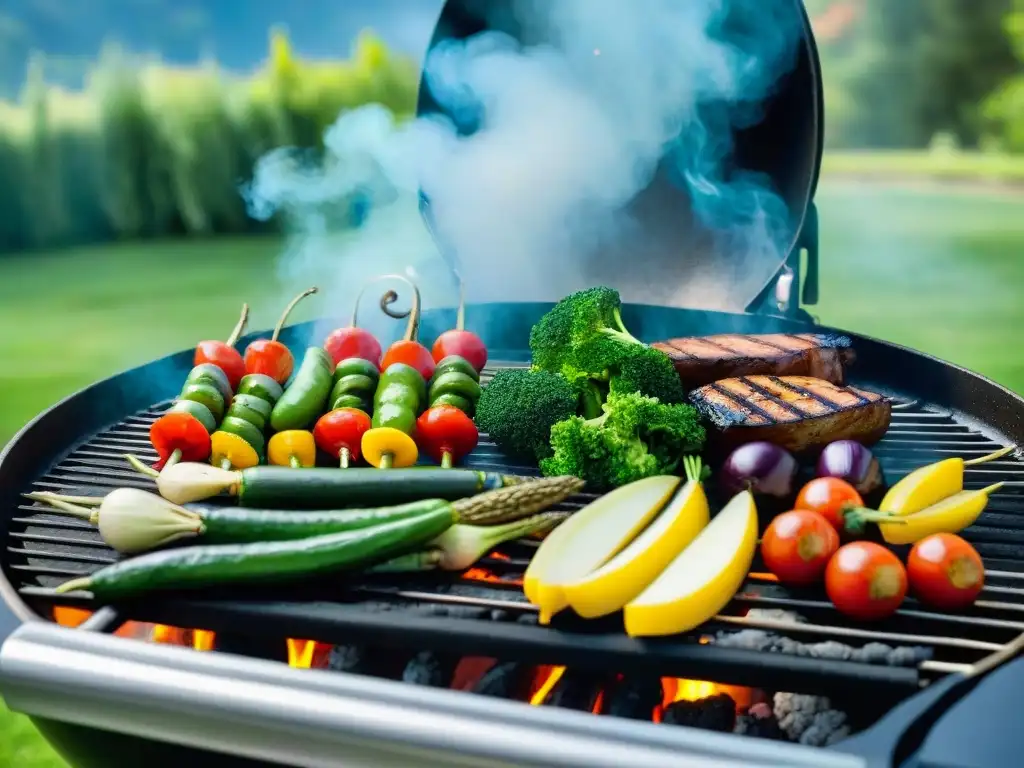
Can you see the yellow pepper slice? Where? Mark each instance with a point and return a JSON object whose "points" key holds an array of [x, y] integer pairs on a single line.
{"points": [[387, 447], [229, 451], [292, 448]]}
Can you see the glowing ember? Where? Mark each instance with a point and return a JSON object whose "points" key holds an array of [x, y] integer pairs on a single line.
{"points": [[549, 677], [300, 653]]}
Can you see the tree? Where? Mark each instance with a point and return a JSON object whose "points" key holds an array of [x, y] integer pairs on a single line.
{"points": [[1004, 110]]}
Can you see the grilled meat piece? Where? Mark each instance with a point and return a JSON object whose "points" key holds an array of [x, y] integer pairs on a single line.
{"points": [[701, 360], [798, 413]]}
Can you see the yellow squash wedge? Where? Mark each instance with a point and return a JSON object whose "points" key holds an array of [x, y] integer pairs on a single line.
{"points": [[591, 536], [951, 515], [626, 575], [703, 579], [931, 484]]}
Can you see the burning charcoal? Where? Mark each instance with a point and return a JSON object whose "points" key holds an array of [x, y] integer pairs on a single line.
{"points": [[872, 653], [431, 669], [713, 713], [358, 660], [760, 723], [634, 698], [810, 720], [508, 680], [345, 658], [575, 690]]}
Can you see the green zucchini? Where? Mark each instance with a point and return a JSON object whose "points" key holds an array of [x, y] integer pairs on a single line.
{"points": [[238, 525], [205, 394], [356, 366], [245, 413], [352, 401], [330, 488], [258, 404], [468, 407], [204, 566], [458, 365], [306, 396], [246, 431], [199, 411], [263, 387], [208, 373]]}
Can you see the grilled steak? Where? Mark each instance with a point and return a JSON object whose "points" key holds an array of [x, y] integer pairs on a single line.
{"points": [[701, 360], [798, 413]]}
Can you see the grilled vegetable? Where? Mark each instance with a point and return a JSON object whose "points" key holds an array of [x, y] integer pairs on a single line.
{"points": [[623, 577], [951, 515], [354, 342], [850, 461], [205, 394], [231, 451], [589, 538], [945, 572], [339, 433], [320, 488], [179, 437], [931, 484], [702, 580], [270, 357], [865, 581], [246, 431], [388, 447], [408, 349], [761, 468], [839, 503], [203, 566], [455, 388], [446, 434], [459, 341], [355, 382], [399, 398], [519, 407], [304, 399], [293, 448], [208, 373], [456, 364], [252, 409], [263, 387], [461, 546], [797, 546], [223, 353], [197, 410]]}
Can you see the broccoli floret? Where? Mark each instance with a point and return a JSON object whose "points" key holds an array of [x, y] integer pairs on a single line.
{"points": [[583, 336], [636, 437], [519, 406]]}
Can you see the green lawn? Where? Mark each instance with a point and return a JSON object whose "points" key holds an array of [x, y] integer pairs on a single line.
{"points": [[935, 165], [940, 271]]}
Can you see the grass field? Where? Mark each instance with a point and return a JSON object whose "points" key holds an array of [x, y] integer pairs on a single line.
{"points": [[935, 165], [938, 270]]}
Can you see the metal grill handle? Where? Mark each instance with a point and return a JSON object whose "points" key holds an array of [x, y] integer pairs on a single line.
{"points": [[264, 710]]}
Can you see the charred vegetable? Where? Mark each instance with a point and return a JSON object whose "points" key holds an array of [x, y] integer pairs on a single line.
{"points": [[339, 433], [270, 357], [223, 354]]}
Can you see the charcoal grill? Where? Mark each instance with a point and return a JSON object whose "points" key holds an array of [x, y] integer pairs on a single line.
{"points": [[931, 689]]}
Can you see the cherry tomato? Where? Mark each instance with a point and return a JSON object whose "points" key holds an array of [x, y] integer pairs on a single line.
{"points": [[865, 581], [224, 356], [446, 434], [339, 433], [353, 342], [181, 434], [797, 546], [830, 497], [413, 354], [465, 344], [945, 571], [271, 358]]}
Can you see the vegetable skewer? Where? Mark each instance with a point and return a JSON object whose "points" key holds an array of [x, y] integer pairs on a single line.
{"points": [[178, 437], [399, 398], [304, 399], [269, 356], [223, 353], [339, 433], [408, 349], [355, 342], [132, 520], [446, 434], [459, 341], [293, 448]]}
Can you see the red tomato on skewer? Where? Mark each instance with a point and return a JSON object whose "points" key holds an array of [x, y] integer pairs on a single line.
{"points": [[223, 353], [446, 434], [269, 356], [464, 344], [945, 572], [413, 354], [798, 545], [179, 437], [345, 343], [865, 581], [339, 433]]}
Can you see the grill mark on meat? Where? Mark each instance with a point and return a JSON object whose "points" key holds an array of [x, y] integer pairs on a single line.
{"points": [[716, 342], [803, 341], [799, 413], [821, 398], [763, 341], [742, 404], [671, 348], [701, 349]]}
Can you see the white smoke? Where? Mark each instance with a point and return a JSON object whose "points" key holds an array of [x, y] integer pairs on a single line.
{"points": [[568, 131]]}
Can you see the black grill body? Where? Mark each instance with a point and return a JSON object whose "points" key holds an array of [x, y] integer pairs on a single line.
{"points": [[939, 410]]}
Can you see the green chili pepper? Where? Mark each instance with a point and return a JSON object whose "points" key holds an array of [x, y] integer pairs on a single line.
{"points": [[306, 396], [400, 373]]}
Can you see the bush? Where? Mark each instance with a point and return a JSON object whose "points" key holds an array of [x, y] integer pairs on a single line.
{"points": [[148, 150]]}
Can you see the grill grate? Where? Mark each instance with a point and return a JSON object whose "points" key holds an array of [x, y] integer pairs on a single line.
{"points": [[814, 649]]}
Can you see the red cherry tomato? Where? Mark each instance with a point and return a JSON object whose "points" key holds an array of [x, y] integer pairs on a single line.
{"points": [[181, 434], [945, 571], [353, 342], [865, 581], [413, 354], [225, 357], [271, 358], [831, 498], [339, 433], [797, 546], [446, 434], [465, 344]]}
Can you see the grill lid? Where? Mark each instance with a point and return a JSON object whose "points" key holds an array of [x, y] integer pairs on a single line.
{"points": [[563, 106]]}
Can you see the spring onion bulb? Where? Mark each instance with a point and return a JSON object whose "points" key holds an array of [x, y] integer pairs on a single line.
{"points": [[850, 461], [129, 520]]}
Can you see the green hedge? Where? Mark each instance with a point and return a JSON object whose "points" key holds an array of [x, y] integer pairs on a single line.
{"points": [[147, 150]]}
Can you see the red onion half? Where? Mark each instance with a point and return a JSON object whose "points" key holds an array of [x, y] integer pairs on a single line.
{"points": [[852, 462], [762, 468]]}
